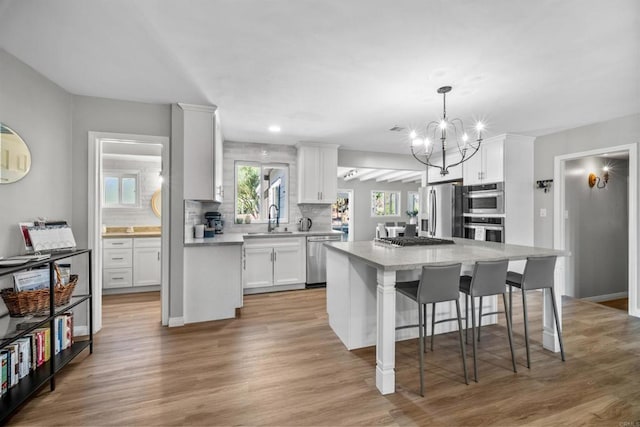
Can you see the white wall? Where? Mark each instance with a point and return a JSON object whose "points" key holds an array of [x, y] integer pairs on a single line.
{"points": [[597, 228], [40, 112], [363, 223], [148, 184]]}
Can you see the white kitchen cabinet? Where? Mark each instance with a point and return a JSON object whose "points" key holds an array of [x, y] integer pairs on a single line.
{"points": [[317, 173], [487, 165], [147, 264], [454, 172], [130, 262], [258, 267], [196, 129], [274, 263]]}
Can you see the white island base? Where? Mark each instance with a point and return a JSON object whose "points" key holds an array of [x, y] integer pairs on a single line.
{"points": [[352, 309]]}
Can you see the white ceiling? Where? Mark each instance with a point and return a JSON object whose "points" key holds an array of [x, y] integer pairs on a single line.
{"points": [[340, 71]]}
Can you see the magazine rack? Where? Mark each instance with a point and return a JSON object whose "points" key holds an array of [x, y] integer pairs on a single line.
{"points": [[14, 328]]}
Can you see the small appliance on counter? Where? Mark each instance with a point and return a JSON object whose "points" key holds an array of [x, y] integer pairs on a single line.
{"points": [[214, 221], [304, 224]]}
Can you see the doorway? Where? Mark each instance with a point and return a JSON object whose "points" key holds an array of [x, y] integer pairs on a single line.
{"points": [[342, 215], [588, 222], [129, 207]]}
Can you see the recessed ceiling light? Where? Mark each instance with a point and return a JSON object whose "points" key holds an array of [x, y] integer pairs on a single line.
{"points": [[274, 128]]}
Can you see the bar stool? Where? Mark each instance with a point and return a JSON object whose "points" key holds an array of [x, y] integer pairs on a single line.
{"points": [[538, 274], [488, 279], [436, 284]]}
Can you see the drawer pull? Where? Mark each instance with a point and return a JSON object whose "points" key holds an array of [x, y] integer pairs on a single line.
{"points": [[117, 258], [119, 243], [117, 278]]}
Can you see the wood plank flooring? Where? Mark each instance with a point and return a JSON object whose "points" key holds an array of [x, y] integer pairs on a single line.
{"points": [[620, 304], [280, 364]]}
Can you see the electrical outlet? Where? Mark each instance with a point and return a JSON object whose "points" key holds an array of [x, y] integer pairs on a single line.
{"points": [[543, 212]]}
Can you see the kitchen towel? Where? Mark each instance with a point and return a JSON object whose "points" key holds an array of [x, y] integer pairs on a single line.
{"points": [[481, 233]]}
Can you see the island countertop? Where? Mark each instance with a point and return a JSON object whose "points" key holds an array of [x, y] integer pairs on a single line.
{"points": [[465, 251]]}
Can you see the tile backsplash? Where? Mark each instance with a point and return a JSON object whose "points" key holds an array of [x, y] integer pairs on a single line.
{"points": [[252, 152]]}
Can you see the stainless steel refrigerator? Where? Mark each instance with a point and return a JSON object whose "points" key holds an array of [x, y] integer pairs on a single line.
{"points": [[441, 210]]}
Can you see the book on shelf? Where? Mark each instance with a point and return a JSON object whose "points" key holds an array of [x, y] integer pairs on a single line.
{"points": [[24, 348], [4, 370]]}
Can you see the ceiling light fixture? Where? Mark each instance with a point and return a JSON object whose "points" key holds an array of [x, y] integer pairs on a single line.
{"points": [[445, 130], [274, 128]]}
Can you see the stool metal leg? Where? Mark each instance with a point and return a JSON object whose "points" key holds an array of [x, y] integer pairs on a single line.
{"points": [[513, 354], [421, 319], [466, 318], [473, 340], [433, 323], [555, 315], [479, 318], [462, 350], [511, 303], [526, 326], [424, 316]]}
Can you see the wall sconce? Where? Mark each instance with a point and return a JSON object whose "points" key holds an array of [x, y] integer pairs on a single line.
{"points": [[544, 184], [597, 181]]}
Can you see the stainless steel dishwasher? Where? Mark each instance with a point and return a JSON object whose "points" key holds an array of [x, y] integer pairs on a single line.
{"points": [[317, 258]]}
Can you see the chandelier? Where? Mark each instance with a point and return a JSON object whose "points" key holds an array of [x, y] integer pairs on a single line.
{"points": [[448, 131]]}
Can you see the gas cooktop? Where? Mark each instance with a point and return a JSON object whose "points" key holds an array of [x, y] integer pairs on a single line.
{"points": [[412, 241]]}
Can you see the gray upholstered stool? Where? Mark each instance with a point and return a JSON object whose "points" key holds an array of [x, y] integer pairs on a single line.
{"points": [[488, 279], [436, 284], [538, 274]]}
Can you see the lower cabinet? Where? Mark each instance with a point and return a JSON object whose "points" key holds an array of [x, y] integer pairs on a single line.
{"points": [[270, 263], [130, 262]]}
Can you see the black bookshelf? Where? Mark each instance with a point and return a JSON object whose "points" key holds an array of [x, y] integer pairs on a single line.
{"points": [[17, 327]]}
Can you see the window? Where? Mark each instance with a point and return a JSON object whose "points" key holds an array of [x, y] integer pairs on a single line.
{"points": [[120, 189], [260, 186], [385, 203], [413, 201]]}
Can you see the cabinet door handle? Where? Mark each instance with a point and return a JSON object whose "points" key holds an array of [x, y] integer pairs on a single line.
{"points": [[275, 256], [158, 255]]}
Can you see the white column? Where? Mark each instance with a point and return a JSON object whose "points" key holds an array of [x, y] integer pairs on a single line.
{"points": [[386, 335], [549, 334]]}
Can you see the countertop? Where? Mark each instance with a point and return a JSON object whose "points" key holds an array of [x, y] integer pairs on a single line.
{"points": [[239, 238], [465, 251], [219, 239], [132, 234]]}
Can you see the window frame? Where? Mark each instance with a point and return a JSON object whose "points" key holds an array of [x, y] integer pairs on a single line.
{"points": [[415, 195], [263, 219], [121, 174], [386, 193]]}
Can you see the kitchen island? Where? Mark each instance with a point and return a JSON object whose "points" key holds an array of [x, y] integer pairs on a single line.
{"points": [[361, 295]]}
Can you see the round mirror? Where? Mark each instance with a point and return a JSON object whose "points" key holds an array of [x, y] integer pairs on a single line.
{"points": [[15, 158], [156, 202]]}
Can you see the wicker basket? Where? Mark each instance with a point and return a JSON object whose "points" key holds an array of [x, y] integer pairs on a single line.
{"points": [[27, 303]]}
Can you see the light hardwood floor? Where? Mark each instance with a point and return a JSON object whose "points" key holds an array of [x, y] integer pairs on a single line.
{"points": [[280, 364]]}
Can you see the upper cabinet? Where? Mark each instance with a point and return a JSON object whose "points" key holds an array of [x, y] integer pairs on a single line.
{"points": [[196, 128], [487, 165], [317, 173]]}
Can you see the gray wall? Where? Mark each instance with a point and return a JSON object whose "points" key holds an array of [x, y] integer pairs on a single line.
{"points": [[597, 228], [364, 223], [107, 115], [40, 112], [625, 130]]}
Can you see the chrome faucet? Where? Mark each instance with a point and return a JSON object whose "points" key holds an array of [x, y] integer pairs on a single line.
{"points": [[270, 226]]}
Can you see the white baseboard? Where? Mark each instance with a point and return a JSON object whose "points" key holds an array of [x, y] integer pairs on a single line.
{"points": [[607, 297], [131, 290], [81, 331], [176, 321]]}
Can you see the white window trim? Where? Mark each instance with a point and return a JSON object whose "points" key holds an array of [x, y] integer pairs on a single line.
{"points": [[398, 206], [261, 165], [121, 173], [409, 194]]}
